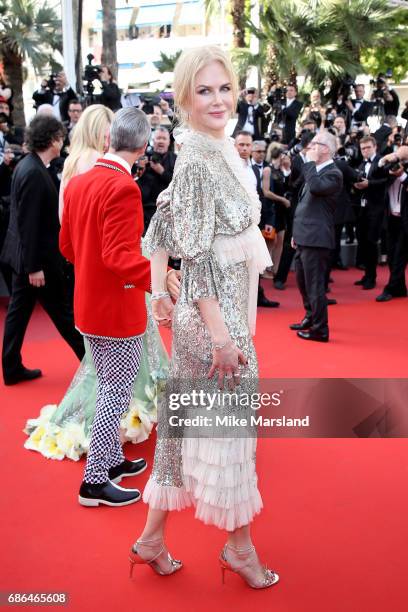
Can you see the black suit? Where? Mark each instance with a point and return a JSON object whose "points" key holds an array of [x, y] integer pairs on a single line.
{"points": [[397, 235], [47, 97], [151, 184], [313, 233], [258, 117], [289, 118], [363, 112], [31, 245], [371, 216]]}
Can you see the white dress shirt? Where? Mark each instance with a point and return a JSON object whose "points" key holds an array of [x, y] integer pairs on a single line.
{"points": [[248, 169], [323, 165], [395, 193]]}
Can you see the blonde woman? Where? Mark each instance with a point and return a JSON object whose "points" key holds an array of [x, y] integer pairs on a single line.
{"points": [[63, 430], [209, 217], [90, 140]]}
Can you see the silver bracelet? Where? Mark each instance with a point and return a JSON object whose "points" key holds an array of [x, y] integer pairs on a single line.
{"points": [[218, 347], [160, 295]]}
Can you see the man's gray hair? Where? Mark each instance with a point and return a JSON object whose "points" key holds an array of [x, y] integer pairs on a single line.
{"points": [[328, 139], [259, 143], [130, 130]]}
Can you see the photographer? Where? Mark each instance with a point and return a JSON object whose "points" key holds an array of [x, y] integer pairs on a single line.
{"points": [[111, 93], [397, 233], [384, 132], [384, 97], [156, 172], [57, 92], [359, 108], [372, 185], [74, 113], [251, 115], [290, 113]]}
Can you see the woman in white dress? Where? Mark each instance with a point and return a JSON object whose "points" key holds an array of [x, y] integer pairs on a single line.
{"points": [[209, 218]]}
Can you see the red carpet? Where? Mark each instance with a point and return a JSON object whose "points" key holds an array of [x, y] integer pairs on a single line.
{"points": [[334, 524]]}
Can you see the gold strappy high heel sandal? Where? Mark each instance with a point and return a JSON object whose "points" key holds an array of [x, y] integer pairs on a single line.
{"points": [[249, 559], [135, 558]]}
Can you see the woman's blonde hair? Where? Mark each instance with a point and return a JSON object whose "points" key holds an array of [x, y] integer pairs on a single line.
{"points": [[189, 63], [89, 135]]}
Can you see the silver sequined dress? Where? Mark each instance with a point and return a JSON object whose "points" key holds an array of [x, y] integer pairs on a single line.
{"points": [[208, 216]]}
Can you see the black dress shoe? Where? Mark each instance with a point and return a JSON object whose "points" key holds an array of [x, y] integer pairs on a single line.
{"points": [[279, 285], [311, 335], [367, 285], [349, 240], [263, 301], [21, 376], [331, 302], [127, 468], [107, 493], [304, 324], [384, 297], [360, 282]]}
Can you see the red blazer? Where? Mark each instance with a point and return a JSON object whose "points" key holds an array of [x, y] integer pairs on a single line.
{"points": [[101, 231]]}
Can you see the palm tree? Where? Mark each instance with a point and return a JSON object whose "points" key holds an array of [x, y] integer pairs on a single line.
{"points": [[238, 10], [109, 55], [323, 39], [167, 62], [27, 32]]}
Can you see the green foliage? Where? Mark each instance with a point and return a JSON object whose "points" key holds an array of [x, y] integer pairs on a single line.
{"points": [[323, 39], [167, 62], [395, 56], [29, 31]]}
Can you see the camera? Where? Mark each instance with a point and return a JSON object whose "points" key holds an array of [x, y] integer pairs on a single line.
{"points": [[274, 136], [345, 89], [91, 72], [360, 175], [395, 166], [51, 81]]}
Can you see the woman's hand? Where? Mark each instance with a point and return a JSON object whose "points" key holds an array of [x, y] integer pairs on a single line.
{"points": [[286, 202], [226, 360], [173, 284], [163, 311]]}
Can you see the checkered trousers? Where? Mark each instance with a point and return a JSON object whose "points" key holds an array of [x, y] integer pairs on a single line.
{"points": [[117, 364]]}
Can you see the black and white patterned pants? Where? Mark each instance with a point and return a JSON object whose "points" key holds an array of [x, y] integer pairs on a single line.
{"points": [[117, 363]]}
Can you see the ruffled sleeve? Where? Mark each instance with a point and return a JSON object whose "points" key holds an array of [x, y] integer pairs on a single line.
{"points": [[193, 212], [160, 234]]}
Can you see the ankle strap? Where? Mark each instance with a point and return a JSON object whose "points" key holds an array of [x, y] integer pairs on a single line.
{"points": [[238, 549], [149, 541], [241, 551]]}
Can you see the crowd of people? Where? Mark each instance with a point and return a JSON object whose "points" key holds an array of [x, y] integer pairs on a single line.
{"points": [[274, 140], [371, 202]]}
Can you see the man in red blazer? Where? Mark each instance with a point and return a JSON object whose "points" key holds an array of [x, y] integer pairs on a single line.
{"points": [[101, 232]]}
